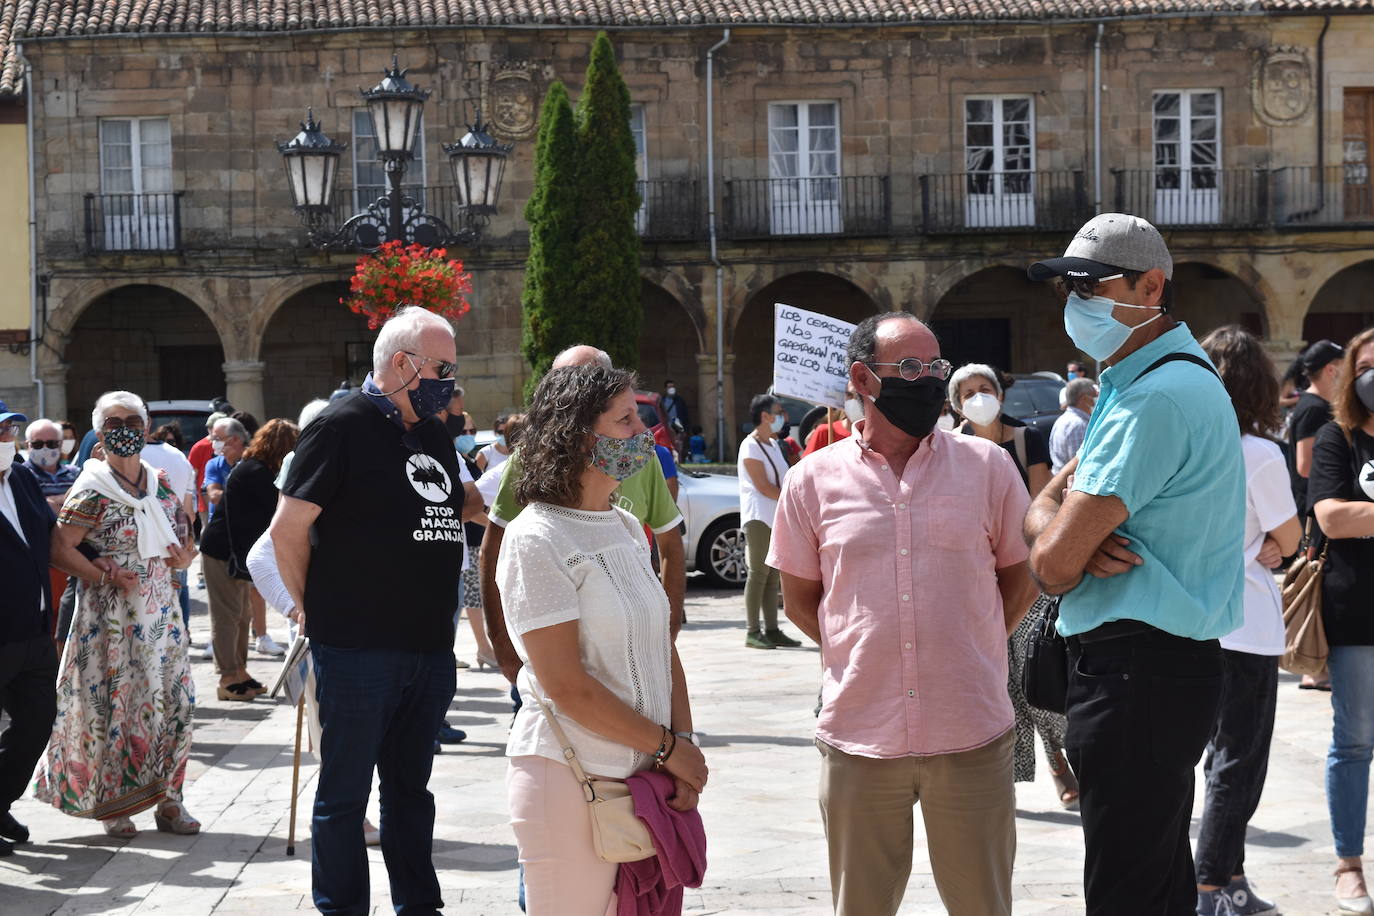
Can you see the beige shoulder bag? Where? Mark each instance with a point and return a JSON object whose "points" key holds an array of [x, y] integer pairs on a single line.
{"points": [[1304, 636]]}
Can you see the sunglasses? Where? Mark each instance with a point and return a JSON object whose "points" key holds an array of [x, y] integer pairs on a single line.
{"points": [[445, 370], [45, 443], [8, 429], [1086, 287], [912, 368], [113, 423]]}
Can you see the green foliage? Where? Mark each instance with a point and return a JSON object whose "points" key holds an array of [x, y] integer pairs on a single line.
{"points": [[582, 281]]}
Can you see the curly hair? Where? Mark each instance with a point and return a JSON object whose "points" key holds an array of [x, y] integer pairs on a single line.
{"points": [[1347, 408], [556, 436], [271, 443], [1249, 376]]}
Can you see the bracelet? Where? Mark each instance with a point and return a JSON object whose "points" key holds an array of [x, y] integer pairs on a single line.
{"points": [[661, 758], [663, 751], [103, 574]]}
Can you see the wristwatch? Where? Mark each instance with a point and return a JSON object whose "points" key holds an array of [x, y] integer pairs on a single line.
{"points": [[690, 736]]}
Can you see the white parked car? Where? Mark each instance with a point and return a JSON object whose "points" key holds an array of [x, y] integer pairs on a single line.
{"points": [[714, 542]]}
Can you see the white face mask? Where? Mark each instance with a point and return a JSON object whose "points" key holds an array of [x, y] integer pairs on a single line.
{"points": [[981, 409], [946, 421], [671, 391], [68, 446], [7, 451], [777, 423], [217, 446], [44, 457], [854, 409]]}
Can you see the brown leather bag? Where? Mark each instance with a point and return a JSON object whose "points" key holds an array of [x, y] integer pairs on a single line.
{"points": [[1304, 636]]}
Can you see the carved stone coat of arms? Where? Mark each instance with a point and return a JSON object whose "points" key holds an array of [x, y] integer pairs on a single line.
{"points": [[511, 102], [1281, 86]]}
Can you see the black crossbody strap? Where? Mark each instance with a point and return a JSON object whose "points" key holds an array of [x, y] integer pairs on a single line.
{"points": [[1175, 357]]}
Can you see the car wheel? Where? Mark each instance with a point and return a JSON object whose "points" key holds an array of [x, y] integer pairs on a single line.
{"points": [[720, 556]]}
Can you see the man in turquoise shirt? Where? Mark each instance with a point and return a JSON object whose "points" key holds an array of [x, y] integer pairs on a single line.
{"points": [[1142, 535]]}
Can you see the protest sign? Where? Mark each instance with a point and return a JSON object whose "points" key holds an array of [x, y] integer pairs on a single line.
{"points": [[809, 355]]}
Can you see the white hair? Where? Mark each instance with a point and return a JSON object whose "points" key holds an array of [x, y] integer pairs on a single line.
{"points": [[402, 332], [310, 411], [966, 372], [112, 399], [597, 356], [28, 431], [232, 429]]}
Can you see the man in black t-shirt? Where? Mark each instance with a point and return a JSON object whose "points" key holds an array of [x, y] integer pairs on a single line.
{"points": [[1313, 411], [369, 542]]}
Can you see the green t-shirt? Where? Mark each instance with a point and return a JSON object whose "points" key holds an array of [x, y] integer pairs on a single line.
{"points": [[645, 496]]}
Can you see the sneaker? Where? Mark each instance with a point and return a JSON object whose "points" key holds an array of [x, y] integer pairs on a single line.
{"points": [[448, 735], [268, 646], [1213, 903], [1245, 902], [208, 652], [756, 640], [371, 835], [779, 638]]}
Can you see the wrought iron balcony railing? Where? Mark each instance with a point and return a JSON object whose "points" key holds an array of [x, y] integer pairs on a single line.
{"points": [[1235, 198], [133, 222], [670, 209], [857, 205], [1333, 196], [1002, 201]]}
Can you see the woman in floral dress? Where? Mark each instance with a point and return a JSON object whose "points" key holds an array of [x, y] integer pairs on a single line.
{"points": [[124, 694]]}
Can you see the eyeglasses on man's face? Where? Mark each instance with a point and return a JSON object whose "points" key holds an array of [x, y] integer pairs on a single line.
{"points": [[442, 368], [45, 443], [912, 368], [1086, 287], [9, 430], [133, 421]]}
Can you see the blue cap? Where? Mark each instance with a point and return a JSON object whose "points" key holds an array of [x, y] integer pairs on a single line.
{"points": [[6, 414]]}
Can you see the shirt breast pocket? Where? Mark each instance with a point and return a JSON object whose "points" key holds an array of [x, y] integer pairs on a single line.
{"points": [[955, 524]]}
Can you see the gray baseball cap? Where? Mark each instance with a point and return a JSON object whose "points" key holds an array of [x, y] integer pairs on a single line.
{"points": [[1108, 244]]}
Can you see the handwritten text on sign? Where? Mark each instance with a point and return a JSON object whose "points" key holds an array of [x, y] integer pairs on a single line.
{"points": [[808, 355]]}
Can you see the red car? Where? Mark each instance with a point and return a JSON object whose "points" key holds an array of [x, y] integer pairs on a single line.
{"points": [[652, 416]]}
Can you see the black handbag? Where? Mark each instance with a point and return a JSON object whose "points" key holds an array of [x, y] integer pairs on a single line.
{"points": [[1045, 676]]}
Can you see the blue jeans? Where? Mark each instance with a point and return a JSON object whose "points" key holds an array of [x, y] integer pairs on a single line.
{"points": [[378, 708], [1352, 745]]}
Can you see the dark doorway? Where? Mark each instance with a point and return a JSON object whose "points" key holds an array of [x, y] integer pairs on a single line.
{"points": [[974, 340], [189, 372]]}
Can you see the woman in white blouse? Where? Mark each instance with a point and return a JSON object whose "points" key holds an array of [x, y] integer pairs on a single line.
{"points": [[761, 469], [589, 619]]}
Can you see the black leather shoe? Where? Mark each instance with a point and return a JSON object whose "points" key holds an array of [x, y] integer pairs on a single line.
{"points": [[12, 830]]}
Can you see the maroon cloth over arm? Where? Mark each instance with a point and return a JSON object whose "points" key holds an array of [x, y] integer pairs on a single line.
{"points": [[653, 886]]}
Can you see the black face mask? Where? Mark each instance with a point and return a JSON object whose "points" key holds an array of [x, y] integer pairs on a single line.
{"points": [[1364, 389], [912, 407]]}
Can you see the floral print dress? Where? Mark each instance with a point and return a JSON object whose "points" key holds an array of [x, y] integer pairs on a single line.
{"points": [[125, 696]]}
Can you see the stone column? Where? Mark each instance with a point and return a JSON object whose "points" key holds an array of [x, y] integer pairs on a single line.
{"points": [[1282, 352], [706, 385], [54, 406], [243, 386]]}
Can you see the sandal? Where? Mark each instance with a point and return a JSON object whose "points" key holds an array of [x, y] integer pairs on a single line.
{"points": [[121, 828], [1359, 904], [173, 818], [240, 691], [255, 685], [1065, 783]]}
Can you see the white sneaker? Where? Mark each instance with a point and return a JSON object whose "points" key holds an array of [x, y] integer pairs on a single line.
{"points": [[371, 835], [208, 652], [268, 646]]}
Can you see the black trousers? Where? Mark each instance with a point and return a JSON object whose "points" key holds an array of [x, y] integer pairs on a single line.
{"points": [[1141, 707], [28, 694], [1237, 762]]}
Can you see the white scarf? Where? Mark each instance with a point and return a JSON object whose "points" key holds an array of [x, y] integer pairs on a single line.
{"points": [[155, 532]]}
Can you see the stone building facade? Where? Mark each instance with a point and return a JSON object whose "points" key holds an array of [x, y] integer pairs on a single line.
{"points": [[860, 167]]}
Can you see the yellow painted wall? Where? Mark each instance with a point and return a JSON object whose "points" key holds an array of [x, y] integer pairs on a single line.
{"points": [[14, 228]]}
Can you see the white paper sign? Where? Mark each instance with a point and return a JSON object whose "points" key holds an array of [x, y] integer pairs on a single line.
{"points": [[808, 355]]}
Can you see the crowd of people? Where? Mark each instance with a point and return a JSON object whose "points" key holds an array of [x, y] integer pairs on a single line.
{"points": [[920, 535]]}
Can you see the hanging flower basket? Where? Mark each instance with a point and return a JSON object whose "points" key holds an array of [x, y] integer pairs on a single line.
{"points": [[397, 275]]}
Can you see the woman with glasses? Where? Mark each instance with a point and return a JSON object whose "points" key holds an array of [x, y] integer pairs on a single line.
{"points": [[124, 692]]}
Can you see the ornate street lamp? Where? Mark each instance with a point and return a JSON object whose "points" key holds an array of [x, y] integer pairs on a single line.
{"points": [[394, 106]]}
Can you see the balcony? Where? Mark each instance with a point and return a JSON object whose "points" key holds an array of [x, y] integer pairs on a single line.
{"points": [[133, 222], [765, 208], [670, 209], [1002, 201], [1235, 198], [1334, 196]]}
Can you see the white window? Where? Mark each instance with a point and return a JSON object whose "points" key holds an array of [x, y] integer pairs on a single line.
{"points": [[369, 172], [804, 165], [641, 165], [999, 158], [1187, 154], [137, 204]]}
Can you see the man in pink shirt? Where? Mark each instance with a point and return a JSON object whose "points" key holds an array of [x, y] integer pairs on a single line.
{"points": [[901, 555]]}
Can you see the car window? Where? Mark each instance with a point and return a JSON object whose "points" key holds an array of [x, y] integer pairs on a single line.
{"points": [[648, 415], [1046, 397], [192, 425], [1018, 402]]}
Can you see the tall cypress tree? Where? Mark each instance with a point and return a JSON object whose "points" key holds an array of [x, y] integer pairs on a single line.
{"points": [[549, 321], [606, 289]]}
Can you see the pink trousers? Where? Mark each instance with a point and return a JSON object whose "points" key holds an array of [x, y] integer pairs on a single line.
{"points": [[553, 830]]}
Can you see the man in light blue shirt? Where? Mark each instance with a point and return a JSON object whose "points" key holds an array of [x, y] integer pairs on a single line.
{"points": [[1142, 536], [1066, 436]]}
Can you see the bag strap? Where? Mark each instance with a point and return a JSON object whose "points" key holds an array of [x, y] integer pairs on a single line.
{"points": [[1177, 357], [569, 754], [1018, 440]]}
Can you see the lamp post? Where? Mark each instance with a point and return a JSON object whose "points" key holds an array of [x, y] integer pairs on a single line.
{"points": [[394, 105]]}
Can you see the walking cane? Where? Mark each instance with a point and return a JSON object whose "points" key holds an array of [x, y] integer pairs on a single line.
{"points": [[295, 777]]}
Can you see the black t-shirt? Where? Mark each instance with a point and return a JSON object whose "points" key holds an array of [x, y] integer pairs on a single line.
{"points": [[1037, 447], [473, 530], [388, 542], [1348, 587], [250, 500], [1309, 415]]}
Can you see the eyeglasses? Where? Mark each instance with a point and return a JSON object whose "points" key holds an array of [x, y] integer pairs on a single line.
{"points": [[45, 443], [111, 424], [443, 368], [1084, 286], [912, 368], [8, 429]]}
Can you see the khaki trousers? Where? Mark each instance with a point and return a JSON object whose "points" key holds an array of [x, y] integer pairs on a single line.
{"points": [[968, 804], [231, 613]]}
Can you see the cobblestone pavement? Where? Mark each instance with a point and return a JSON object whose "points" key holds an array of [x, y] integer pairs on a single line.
{"points": [[767, 851]]}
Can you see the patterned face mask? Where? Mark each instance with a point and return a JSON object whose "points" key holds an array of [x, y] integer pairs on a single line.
{"points": [[124, 442], [620, 459]]}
